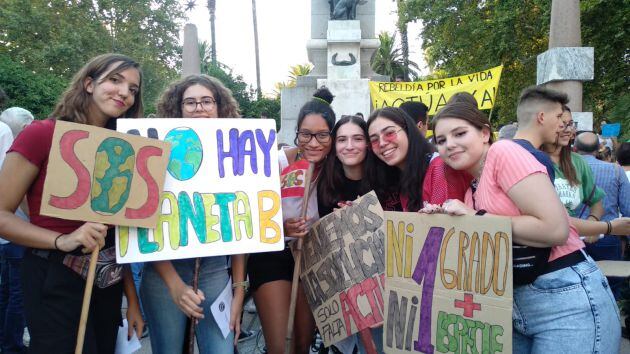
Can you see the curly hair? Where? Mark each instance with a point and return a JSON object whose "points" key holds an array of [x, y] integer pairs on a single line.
{"points": [[170, 103], [75, 101]]}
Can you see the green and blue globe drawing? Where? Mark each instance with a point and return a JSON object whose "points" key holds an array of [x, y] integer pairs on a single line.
{"points": [[186, 153], [113, 173]]}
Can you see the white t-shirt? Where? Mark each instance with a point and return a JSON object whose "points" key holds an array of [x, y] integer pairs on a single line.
{"points": [[6, 139]]}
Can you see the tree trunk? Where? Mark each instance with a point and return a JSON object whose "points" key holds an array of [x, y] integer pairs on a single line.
{"points": [[258, 89], [211, 8], [404, 41]]}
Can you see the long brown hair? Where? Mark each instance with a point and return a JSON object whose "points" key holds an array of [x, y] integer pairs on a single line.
{"points": [[75, 101], [565, 161], [170, 103]]}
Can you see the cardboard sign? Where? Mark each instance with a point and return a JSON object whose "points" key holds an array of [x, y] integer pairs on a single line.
{"points": [[221, 194], [448, 284], [342, 269], [95, 174], [483, 85]]}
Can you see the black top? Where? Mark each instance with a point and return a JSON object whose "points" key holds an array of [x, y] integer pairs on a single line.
{"points": [[349, 190]]}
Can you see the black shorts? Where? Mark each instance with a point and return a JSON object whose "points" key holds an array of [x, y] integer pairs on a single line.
{"points": [[53, 295], [270, 266]]}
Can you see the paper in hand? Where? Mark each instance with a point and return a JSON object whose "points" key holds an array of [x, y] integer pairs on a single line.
{"points": [[124, 346], [221, 309]]}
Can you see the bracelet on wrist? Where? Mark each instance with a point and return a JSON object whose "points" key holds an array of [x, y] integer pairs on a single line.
{"points": [[57, 239], [244, 284], [608, 227], [594, 217]]}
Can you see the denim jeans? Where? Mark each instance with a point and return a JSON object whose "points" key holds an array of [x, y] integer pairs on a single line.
{"points": [[136, 273], [168, 323], [570, 310], [12, 320]]}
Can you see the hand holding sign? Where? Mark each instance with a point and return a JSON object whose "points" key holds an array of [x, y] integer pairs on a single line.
{"points": [[90, 235]]}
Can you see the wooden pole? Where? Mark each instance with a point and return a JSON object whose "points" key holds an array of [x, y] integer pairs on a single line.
{"points": [[192, 323], [297, 256], [87, 296], [368, 341]]}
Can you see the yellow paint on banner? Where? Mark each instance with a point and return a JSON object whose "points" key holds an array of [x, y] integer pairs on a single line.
{"points": [[483, 85]]}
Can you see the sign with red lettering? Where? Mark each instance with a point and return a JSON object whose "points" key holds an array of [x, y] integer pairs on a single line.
{"points": [[448, 284], [342, 269], [96, 174]]}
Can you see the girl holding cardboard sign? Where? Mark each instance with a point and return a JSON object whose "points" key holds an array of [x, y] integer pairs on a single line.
{"points": [[271, 273], [569, 308], [107, 87], [167, 297]]}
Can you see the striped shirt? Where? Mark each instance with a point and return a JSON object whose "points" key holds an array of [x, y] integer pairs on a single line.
{"points": [[507, 164]]}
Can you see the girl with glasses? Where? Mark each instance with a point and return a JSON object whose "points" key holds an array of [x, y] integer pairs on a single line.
{"points": [[400, 160], [570, 307], [271, 273], [166, 292], [106, 88]]}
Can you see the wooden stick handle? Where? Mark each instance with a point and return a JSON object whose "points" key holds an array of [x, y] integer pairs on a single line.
{"points": [[368, 341], [193, 321], [297, 256], [87, 296]]}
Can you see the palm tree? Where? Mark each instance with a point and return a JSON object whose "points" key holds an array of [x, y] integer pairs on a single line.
{"points": [[189, 6], [211, 9], [387, 59], [258, 90], [299, 70], [404, 40]]}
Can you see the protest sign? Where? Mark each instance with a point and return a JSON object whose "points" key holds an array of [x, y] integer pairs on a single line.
{"points": [[483, 85], [448, 284], [611, 130], [221, 193], [343, 267], [96, 174]]}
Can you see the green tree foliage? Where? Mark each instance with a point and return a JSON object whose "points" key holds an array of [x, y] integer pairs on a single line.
{"points": [[605, 26], [244, 95], [467, 36], [460, 37], [57, 37], [388, 59], [36, 92]]}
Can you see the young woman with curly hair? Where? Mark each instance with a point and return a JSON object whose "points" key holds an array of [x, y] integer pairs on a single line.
{"points": [[167, 296]]}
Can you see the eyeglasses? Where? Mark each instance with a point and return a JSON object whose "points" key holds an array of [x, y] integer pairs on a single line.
{"points": [[305, 137], [190, 104], [570, 124], [388, 134]]}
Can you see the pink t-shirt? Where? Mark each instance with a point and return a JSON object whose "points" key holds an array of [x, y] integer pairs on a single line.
{"points": [[507, 164]]}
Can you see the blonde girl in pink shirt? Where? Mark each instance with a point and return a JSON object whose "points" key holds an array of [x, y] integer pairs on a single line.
{"points": [[567, 309]]}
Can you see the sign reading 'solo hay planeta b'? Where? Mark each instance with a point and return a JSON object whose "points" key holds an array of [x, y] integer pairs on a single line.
{"points": [[221, 192]]}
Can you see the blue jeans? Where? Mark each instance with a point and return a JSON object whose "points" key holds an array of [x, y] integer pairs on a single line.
{"points": [[570, 310], [12, 320], [136, 273], [168, 323]]}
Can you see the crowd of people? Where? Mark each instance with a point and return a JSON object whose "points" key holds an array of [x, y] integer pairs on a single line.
{"points": [[567, 208]]}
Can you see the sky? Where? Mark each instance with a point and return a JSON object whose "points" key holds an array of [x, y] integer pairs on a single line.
{"points": [[283, 29]]}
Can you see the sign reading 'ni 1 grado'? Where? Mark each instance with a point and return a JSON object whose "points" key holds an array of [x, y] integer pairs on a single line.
{"points": [[221, 193], [448, 284], [96, 174]]}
